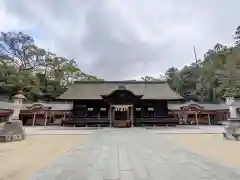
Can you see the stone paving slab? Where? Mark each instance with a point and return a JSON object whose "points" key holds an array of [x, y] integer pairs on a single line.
{"points": [[188, 130], [59, 130], [133, 154]]}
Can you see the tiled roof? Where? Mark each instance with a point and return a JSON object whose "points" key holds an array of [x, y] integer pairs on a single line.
{"points": [[54, 106], [68, 106], [60, 107], [94, 90], [205, 106]]}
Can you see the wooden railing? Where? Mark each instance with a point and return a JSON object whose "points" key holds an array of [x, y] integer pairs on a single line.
{"points": [[104, 121], [122, 123], [161, 120], [86, 121]]}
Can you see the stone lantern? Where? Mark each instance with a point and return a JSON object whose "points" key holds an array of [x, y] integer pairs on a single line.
{"points": [[230, 101], [13, 129], [232, 125], [17, 105]]}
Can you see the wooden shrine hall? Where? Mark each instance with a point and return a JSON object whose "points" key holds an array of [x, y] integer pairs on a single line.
{"points": [[120, 103], [200, 113]]}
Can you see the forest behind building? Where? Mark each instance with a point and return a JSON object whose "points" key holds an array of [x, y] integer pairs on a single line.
{"points": [[42, 74]]}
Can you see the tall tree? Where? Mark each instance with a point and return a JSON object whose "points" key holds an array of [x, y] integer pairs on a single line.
{"points": [[237, 36], [231, 74], [174, 79], [190, 78], [20, 50], [34, 70]]}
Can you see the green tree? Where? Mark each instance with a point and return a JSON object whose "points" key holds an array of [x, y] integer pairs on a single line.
{"points": [[174, 79], [35, 71], [190, 78], [230, 79], [19, 49], [237, 36]]}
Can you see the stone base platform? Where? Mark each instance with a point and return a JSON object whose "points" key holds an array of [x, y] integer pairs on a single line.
{"points": [[232, 129], [9, 138], [12, 131]]}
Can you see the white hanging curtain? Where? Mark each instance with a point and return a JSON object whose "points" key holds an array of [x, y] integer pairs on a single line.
{"points": [[121, 107], [150, 109]]}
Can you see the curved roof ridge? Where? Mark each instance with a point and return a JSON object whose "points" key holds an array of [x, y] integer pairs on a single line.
{"points": [[94, 90], [120, 82]]}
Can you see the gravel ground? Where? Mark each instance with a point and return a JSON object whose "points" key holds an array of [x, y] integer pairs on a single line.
{"points": [[21, 159], [135, 154], [211, 146]]}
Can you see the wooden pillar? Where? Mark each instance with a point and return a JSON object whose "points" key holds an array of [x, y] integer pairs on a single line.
{"points": [[34, 119], [110, 115], [64, 116], [132, 116], [98, 114], [209, 120], [227, 115], [196, 116], [45, 119], [179, 118], [113, 113]]}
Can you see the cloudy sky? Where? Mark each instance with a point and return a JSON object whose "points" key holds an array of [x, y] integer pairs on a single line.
{"points": [[124, 39]]}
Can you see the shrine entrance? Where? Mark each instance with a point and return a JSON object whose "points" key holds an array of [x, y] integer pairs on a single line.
{"points": [[121, 102], [122, 115]]}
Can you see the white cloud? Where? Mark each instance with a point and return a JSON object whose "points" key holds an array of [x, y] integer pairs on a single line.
{"points": [[8, 22], [122, 39]]}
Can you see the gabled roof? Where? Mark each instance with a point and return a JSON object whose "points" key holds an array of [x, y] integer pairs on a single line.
{"points": [[205, 106], [192, 103], [94, 90], [55, 106], [52, 105]]}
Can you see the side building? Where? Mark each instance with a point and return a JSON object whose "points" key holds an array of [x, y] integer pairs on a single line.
{"points": [[192, 112], [120, 103]]}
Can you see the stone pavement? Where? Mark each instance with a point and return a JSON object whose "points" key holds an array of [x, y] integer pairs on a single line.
{"points": [[58, 130], [133, 154], [188, 130]]}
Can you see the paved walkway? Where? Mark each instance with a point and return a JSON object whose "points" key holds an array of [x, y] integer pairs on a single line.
{"points": [[189, 130], [58, 130], [133, 154]]}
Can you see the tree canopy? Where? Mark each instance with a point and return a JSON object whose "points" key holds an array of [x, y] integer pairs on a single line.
{"points": [[37, 72], [210, 79], [42, 74]]}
